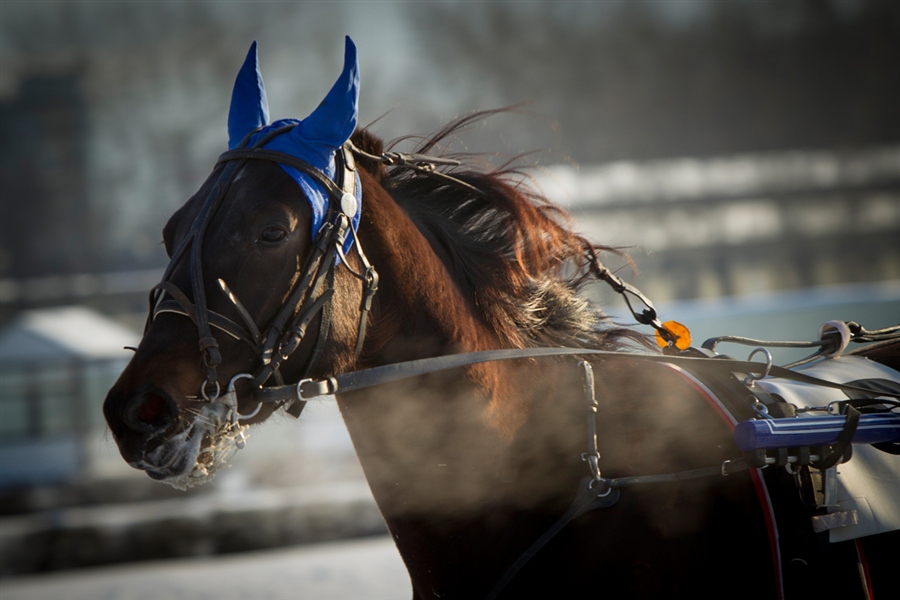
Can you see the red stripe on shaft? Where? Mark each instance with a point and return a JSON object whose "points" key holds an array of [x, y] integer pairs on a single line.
{"points": [[762, 493], [864, 565]]}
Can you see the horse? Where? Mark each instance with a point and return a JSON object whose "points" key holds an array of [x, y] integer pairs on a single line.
{"points": [[312, 254]]}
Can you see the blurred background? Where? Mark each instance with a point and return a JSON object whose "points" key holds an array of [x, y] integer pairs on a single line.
{"points": [[746, 155]]}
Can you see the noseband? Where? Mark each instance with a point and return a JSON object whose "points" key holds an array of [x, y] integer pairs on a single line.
{"points": [[310, 296]]}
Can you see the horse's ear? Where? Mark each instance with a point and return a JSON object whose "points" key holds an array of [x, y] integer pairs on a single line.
{"points": [[249, 106], [334, 120]]}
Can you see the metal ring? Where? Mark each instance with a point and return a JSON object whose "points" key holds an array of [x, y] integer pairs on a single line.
{"points": [[249, 415], [203, 391], [608, 488], [751, 377], [237, 415]]}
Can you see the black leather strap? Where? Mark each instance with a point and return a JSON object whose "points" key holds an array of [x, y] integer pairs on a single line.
{"points": [[836, 454], [384, 374], [333, 189]]}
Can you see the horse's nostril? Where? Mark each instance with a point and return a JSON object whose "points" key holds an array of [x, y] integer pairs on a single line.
{"points": [[152, 410], [145, 412]]}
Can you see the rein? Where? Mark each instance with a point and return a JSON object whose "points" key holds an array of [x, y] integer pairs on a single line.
{"points": [[307, 389]]}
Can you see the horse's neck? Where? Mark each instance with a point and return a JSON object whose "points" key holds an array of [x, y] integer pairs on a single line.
{"points": [[418, 310]]}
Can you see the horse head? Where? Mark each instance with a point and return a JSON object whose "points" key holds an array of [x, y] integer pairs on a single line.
{"points": [[261, 262]]}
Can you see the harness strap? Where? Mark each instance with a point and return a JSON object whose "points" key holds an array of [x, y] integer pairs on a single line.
{"points": [[587, 499], [603, 495], [180, 299], [181, 305], [245, 315], [324, 326], [356, 380], [277, 326], [209, 347]]}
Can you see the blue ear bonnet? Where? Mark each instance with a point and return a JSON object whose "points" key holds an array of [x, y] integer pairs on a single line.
{"points": [[314, 140]]}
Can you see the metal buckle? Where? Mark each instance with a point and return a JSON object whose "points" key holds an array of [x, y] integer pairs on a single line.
{"points": [[593, 461], [300, 391], [323, 387]]}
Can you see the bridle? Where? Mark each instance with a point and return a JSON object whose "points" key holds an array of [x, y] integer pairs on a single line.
{"points": [[309, 297]]}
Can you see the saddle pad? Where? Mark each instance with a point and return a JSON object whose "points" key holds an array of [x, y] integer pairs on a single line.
{"points": [[870, 482]]}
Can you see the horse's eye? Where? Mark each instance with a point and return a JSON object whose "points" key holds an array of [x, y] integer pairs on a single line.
{"points": [[272, 235]]}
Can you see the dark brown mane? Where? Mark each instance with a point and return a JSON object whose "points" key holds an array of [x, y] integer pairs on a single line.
{"points": [[511, 252]]}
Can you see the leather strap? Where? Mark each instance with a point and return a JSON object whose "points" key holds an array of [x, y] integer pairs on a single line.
{"points": [[384, 374], [334, 190]]}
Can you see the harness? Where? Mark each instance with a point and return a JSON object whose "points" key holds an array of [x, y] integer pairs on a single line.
{"points": [[311, 296], [736, 399]]}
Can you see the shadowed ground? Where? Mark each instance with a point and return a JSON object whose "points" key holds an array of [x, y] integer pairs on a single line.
{"points": [[366, 569]]}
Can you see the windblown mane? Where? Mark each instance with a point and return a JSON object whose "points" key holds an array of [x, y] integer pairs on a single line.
{"points": [[511, 252]]}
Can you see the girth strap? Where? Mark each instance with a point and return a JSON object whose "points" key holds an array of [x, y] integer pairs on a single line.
{"points": [[603, 495]]}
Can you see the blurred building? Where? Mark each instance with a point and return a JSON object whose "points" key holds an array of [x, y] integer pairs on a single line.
{"points": [[744, 224], [43, 178], [55, 367]]}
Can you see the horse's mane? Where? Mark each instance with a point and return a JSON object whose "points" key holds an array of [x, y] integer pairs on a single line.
{"points": [[511, 252]]}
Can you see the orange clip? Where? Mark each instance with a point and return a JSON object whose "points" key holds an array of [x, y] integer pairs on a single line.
{"points": [[680, 334]]}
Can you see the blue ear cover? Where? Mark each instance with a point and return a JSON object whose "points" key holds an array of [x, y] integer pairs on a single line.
{"points": [[249, 105], [334, 120], [314, 140]]}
